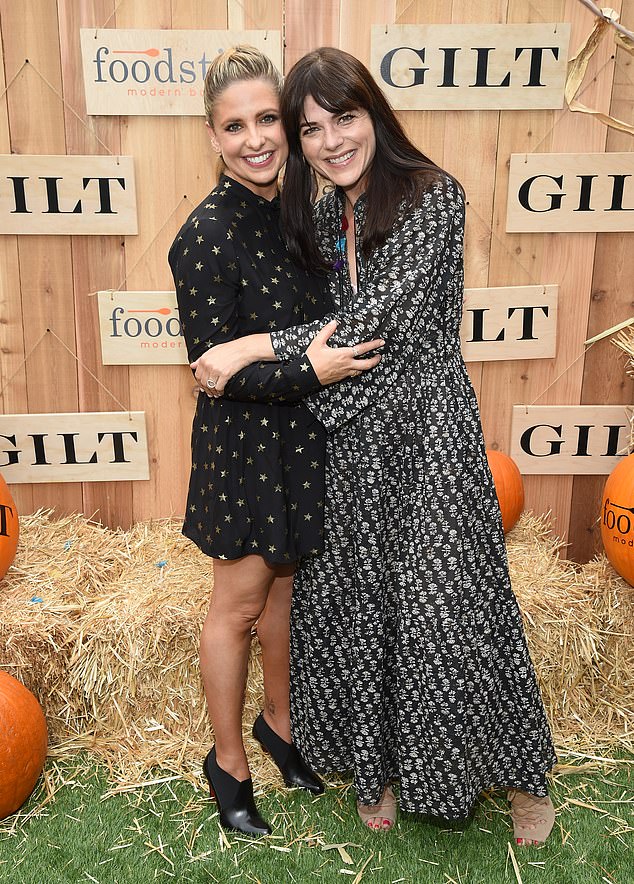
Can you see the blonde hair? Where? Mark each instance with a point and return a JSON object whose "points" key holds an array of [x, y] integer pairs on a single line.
{"points": [[235, 64]]}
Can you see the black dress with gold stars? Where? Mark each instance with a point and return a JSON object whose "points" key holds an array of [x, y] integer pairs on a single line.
{"points": [[257, 478]]}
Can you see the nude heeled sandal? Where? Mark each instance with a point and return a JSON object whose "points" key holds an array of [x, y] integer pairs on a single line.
{"points": [[382, 816], [533, 817]]}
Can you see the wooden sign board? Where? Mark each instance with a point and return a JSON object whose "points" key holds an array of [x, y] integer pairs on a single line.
{"points": [[569, 439], [143, 328], [67, 194], [571, 192], [471, 67], [143, 72], [519, 322], [92, 447], [140, 328]]}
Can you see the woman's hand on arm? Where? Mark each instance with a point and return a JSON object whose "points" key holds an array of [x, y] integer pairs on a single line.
{"points": [[222, 361], [332, 364]]}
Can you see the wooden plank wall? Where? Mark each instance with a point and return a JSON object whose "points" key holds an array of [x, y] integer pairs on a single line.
{"points": [[47, 282]]}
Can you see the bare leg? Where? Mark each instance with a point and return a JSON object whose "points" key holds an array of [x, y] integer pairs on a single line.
{"points": [[240, 592], [273, 633]]}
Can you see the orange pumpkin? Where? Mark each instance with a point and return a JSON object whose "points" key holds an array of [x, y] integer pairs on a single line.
{"points": [[23, 743], [617, 518], [8, 528], [509, 487]]}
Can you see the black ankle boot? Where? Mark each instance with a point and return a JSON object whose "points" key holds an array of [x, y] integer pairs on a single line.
{"points": [[292, 766], [235, 799]]}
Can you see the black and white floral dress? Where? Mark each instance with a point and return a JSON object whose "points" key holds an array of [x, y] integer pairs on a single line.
{"points": [[408, 654]]}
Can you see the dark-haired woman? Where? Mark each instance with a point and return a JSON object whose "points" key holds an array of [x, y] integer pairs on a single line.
{"points": [[409, 660]]}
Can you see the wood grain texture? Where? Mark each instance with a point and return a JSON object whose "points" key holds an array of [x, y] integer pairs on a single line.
{"points": [[46, 278], [36, 125], [611, 301]]}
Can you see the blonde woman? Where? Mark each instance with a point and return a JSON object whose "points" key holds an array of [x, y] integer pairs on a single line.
{"points": [[256, 492]]}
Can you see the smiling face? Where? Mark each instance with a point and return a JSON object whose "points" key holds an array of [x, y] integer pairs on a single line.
{"points": [[248, 132], [339, 146]]}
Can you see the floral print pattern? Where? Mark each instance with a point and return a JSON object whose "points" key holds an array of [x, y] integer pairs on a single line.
{"points": [[408, 656]]}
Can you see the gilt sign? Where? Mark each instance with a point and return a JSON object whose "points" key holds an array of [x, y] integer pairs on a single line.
{"points": [[67, 194], [97, 447], [569, 439], [471, 67], [571, 192]]}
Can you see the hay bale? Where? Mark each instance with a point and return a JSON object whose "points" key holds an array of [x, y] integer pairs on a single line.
{"points": [[103, 626]]}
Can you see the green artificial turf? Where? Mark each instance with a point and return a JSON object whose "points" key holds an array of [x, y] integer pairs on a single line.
{"points": [[72, 830]]}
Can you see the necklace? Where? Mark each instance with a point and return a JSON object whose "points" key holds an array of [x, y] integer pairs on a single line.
{"points": [[341, 244]]}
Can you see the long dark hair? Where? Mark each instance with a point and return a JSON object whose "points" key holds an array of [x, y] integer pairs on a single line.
{"points": [[339, 82]]}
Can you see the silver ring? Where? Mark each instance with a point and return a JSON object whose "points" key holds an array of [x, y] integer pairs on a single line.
{"points": [[212, 384]]}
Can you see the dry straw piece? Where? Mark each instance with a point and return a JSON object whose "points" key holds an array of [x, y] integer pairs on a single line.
{"points": [[103, 626]]}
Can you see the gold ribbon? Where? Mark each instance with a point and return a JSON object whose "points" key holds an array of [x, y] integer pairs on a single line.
{"points": [[578, 65]]}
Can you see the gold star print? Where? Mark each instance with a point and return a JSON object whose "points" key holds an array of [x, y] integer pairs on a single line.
{"points": [[181, 283], [263, 477], [253, 316], [218, 279], [278, 488], [218, 449], [304, 366], [260, 254], [199, 240], [199, 265], [254, 544], [306, 485], [272, 549], [261, 447], [204, 428], [275, 280], [314, 464], [244, 283], [258, 233], [240, 501], [193, 314], [312, 435], [250, 461], [222, 497], [228, 518], [264, 422], [299, 449], [241, 434], [293, 424], [215, 250], [278, 374], [270, 519], [192, 508], [193, 291], [307, 517], [211, 301]]}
